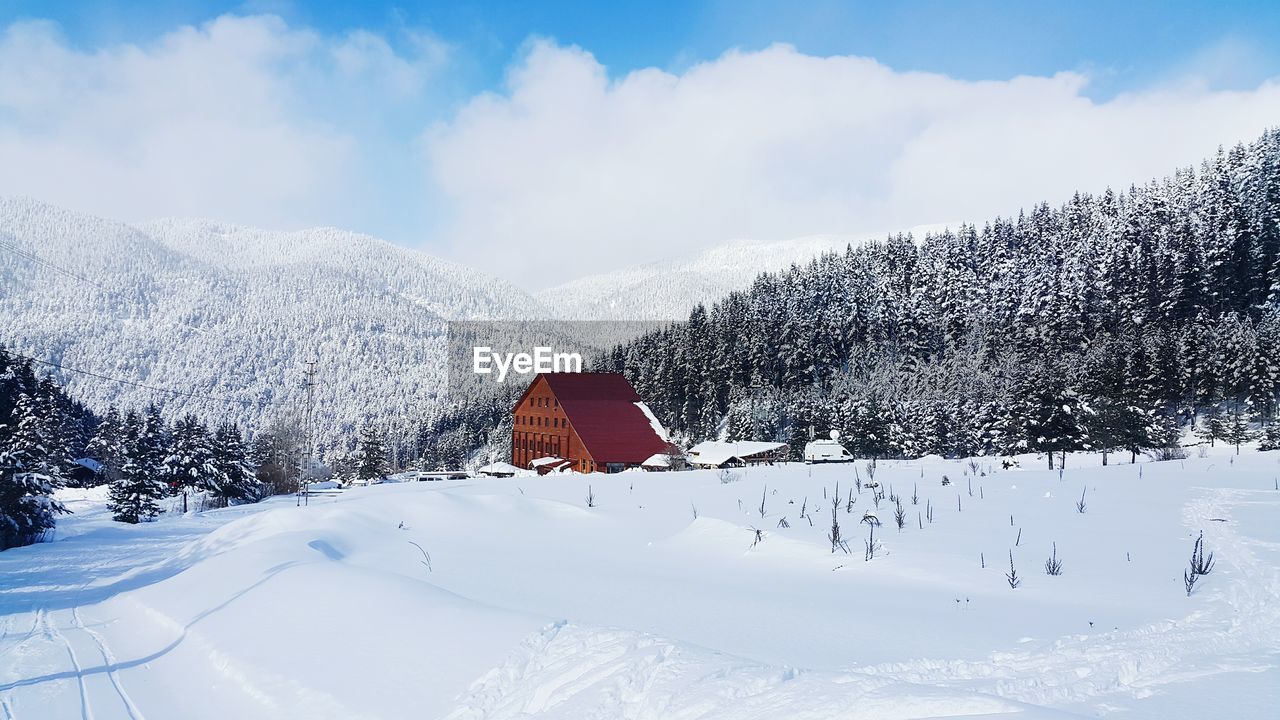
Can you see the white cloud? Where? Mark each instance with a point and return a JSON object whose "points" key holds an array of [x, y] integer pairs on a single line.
{"points": [[242, 119], [568, 170]]}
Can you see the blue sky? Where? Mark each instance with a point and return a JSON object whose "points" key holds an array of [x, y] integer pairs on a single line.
{"points": [[1122, 44], [615, 133]]}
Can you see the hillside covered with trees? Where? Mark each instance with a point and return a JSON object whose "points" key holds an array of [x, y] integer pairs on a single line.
{"points": [[1107, 323]]}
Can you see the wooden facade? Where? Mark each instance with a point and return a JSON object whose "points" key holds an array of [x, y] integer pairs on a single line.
{"points": [[592, 422], [541, 428]]}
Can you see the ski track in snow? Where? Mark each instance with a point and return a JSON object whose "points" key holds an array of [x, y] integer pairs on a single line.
{"points": [[52, 633], [95, 699], [109, 662]]}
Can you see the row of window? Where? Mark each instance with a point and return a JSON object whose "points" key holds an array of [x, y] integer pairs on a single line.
{"points": [[537, 443], [543, 402], [541, 421]]}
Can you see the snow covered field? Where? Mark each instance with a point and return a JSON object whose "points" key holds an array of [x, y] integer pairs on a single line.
{"points": [[535, 605]]}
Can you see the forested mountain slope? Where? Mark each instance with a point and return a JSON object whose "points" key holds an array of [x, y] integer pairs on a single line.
{"points": [[234, 313], [1104, 323], [668, 289]]}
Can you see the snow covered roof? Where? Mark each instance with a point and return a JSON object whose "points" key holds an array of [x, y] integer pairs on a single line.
{"points": [[499, 468], [659, 460], [715, 452], [543, 461]]}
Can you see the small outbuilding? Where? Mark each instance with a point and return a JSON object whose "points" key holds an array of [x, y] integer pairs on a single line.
{"points": [[720, 454], [499, 470]]}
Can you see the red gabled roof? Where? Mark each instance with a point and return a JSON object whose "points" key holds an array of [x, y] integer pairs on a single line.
{"points": [[602, 409]]}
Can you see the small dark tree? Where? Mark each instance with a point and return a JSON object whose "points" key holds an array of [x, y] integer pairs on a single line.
{"points": [[1200, 565], [1012, 575], [372, 465], [133, 495], [836, 541], [1053, 566]]}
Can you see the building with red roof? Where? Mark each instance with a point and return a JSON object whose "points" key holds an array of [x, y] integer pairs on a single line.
{"points": [[588, 422]]}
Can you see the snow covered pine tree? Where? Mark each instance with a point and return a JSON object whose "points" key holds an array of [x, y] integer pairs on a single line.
{"points": [[30, 470]]}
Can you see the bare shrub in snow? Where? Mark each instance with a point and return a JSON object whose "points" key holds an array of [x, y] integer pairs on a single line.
{"points": [[763, 494], [1200, 565], [1053, 566], [758, 536], [426, 557], [591, 497], [915, 493], [1189, 581], [834, 536], [783, 523], [1080, 506], [1012, 575], [899, 515], [869, 546]]}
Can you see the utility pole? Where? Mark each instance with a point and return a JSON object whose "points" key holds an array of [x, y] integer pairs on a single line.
{"points": [[754, 388], [308, 462]]}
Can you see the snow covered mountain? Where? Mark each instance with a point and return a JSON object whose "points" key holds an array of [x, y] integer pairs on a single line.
{"points": [[668, 289], [233, 312]]}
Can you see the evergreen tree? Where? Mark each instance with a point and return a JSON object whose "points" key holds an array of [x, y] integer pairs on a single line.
{"points": [[236, 479], [373, 454], [1236, 430], [1270, 437], [108, 445], [30, 471], [1214, 425], [189, 466], [134, 494]]}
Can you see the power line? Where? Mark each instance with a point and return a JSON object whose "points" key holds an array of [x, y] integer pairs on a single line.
{"points": [[77, 276], [53, 266], [180, 393], [58, 268]]}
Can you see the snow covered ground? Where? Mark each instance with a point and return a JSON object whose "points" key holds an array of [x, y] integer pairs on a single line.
{"points": [[535, 605]]}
